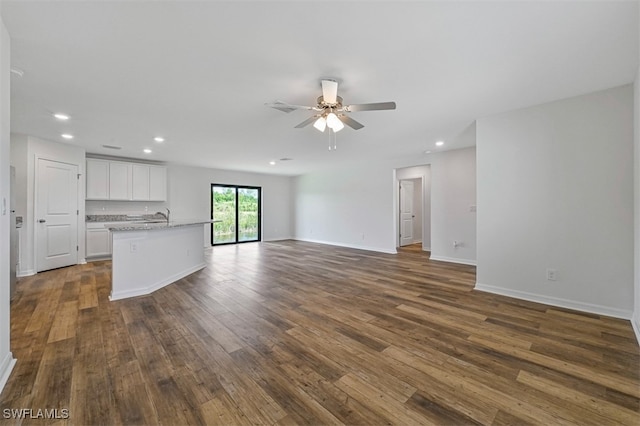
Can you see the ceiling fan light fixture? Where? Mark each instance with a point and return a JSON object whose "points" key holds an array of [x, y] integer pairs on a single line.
{"points": [[320, 124], [334, 122]]}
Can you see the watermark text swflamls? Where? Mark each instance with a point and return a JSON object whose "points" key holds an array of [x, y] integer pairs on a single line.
{"points": [[40, 413]]}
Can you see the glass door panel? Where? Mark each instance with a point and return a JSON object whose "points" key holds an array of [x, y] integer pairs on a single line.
{"points": [[224, 211], [248, 214], [236, 214]]}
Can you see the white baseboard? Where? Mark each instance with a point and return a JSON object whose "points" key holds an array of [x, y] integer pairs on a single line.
{"points": [[157, 286], [426, 248], [26, 273], [353, 246], [5, 369], [635, 323], [266, 240], [453, 260], [556, 301]]}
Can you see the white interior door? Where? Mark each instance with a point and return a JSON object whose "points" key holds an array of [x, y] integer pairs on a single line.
{"points": [[56, 215], [406, 212]]}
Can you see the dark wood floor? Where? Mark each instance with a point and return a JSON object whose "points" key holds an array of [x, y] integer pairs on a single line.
{"points": [[299, 333]]}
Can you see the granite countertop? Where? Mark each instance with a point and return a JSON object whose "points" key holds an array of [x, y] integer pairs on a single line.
{"points": [[158, 225]]}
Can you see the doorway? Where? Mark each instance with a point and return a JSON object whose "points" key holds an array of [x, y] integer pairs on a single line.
{"points": [[407, 214], [412, 201], [56, 227], [236, 214]]}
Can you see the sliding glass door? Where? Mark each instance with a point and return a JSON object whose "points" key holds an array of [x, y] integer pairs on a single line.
{"points": [[236, 214]]}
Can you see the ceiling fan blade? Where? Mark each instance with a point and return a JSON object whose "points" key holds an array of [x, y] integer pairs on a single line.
{"points": [[350, 122], [306, 122], [330, 91], [285, 107], [369, 107]]}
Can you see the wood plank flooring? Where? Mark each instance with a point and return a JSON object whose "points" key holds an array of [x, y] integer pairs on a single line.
{"points": [[284, 333]]}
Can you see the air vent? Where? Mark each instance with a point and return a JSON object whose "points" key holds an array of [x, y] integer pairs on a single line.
{"points": [[286, 159], [111, 147]]}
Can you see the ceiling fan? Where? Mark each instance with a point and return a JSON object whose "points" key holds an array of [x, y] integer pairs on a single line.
{"points": [[330, 111]]}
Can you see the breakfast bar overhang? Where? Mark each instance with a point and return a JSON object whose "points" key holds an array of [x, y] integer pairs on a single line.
{"points": [[147, 257]]}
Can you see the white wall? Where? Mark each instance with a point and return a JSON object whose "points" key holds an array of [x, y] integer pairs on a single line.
{"points": [[421, 175], [189, 197], [24, 152], [351, 207], [452, 198], [358, 206], [19, 160], [555, 190], [6, 358], [636, 192], [417, 209]]}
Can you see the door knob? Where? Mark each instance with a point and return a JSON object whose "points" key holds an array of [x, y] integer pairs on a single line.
{"points": [[42, 221]]}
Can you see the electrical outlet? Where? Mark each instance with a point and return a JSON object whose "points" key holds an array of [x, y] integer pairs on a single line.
{"points": [[134, 247], [552, 274]]}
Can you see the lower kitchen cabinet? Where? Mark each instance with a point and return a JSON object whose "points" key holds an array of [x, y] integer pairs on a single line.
{"points": [[98, 240]]}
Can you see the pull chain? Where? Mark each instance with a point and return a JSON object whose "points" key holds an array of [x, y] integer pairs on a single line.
{"points": [[332, 140]]}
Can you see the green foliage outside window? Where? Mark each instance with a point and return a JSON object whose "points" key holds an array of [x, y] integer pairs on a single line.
{"points": [[224, 200]]}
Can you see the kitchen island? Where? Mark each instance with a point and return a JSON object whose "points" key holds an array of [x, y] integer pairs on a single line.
{"points": [[149, 256]]}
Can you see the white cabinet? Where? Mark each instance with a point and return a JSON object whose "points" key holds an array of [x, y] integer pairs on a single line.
{"points": [[97, 179], [149, 183], [98, 243], [120, 180], [140, 182], [98, 239], [157, 183]]}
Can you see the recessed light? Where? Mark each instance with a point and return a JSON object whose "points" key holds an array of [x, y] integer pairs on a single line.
{"points": [[158, 139], [67, 136], [273, 163], [63, 117], [439, 143], [427, 152], [147, 151]]}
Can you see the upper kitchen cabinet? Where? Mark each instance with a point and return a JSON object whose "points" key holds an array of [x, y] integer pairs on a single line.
{"points": [[140, 182], [149, 182], [97, 179], [157, 183], [120, 180]]}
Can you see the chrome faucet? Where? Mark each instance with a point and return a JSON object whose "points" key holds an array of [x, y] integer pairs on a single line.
{"points": [[165, 215]]}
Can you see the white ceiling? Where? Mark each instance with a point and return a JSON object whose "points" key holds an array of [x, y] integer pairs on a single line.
{"points": [[199, 73]]}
